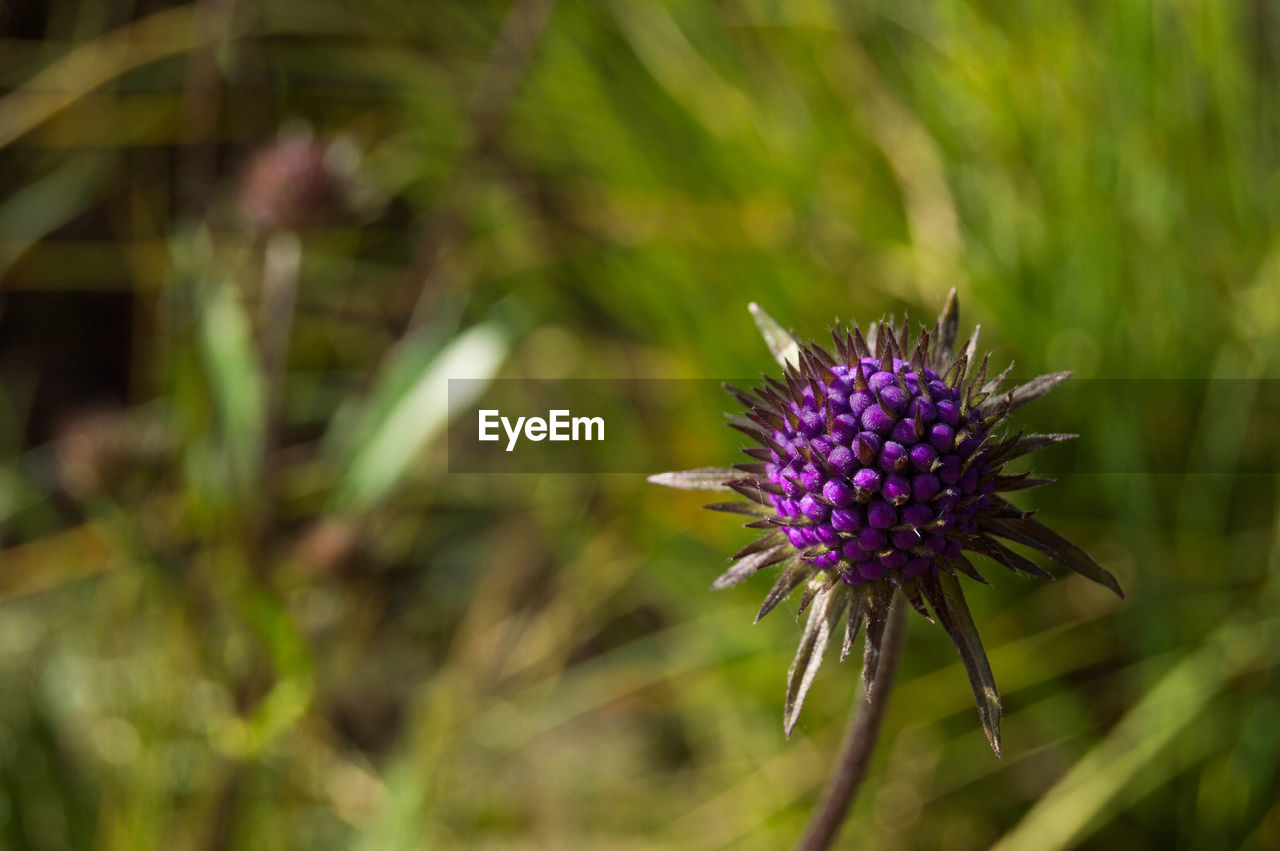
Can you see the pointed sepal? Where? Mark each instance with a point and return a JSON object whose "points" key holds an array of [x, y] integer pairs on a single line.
{"points": [[1023, 393], [1032, 533], [853, 624], [943, 592], [785, 349], [760, 544], [999, 553], [750, 509], [824, 618], [947, 330], [879, 599], [701, 479], [792, 577], [749, 564], [1034, 443], [971, 347]]}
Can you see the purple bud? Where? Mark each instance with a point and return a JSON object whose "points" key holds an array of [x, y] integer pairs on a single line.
{"points": [[790, 483], [860, 401], [966, 445], [893, 457], [953, 548], [822, 445], [811, 478], [866, 446], [935, 544], [894, 559], [846, 519], [942, 437], [896, 489], [922, 457], [846, 426], [870, 571], [904, 431], [788, 508], [810, 536], [946, 500], [916, 514], [894, 398], [923, 410], [842, 459], [813, 509], [881, 514], [838, 493], [826, 561], [924, 486], [872, 539], [949, 412], [881, 380], [827, 535], [906, 539], [914, 567], [812, 423], [852, 551], [867, 479], [948, 471], [969, 480], [877, 420], [796, 536]]}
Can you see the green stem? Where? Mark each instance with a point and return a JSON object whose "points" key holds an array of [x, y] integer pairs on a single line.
{"points": [[859, 740]]}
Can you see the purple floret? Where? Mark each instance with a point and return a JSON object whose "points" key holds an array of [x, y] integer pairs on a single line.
{"points": [[881, 473]]}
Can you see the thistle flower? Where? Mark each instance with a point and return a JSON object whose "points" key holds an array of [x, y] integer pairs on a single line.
{"points": [[880, 465]]}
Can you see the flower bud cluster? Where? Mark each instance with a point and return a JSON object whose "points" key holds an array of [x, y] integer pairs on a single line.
{"points": [[884, 469]]}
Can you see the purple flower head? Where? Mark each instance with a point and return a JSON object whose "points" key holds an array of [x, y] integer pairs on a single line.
{"points": [[296, 184], [880, 466]]}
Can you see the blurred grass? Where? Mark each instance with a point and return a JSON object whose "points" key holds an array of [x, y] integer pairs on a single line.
{"points": [[225, 626]]}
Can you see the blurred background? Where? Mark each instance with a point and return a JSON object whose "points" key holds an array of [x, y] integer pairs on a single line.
{"points": [[243, 604]]}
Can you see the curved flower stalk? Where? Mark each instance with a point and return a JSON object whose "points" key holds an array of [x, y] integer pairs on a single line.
{"points": [[879, 469]]}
